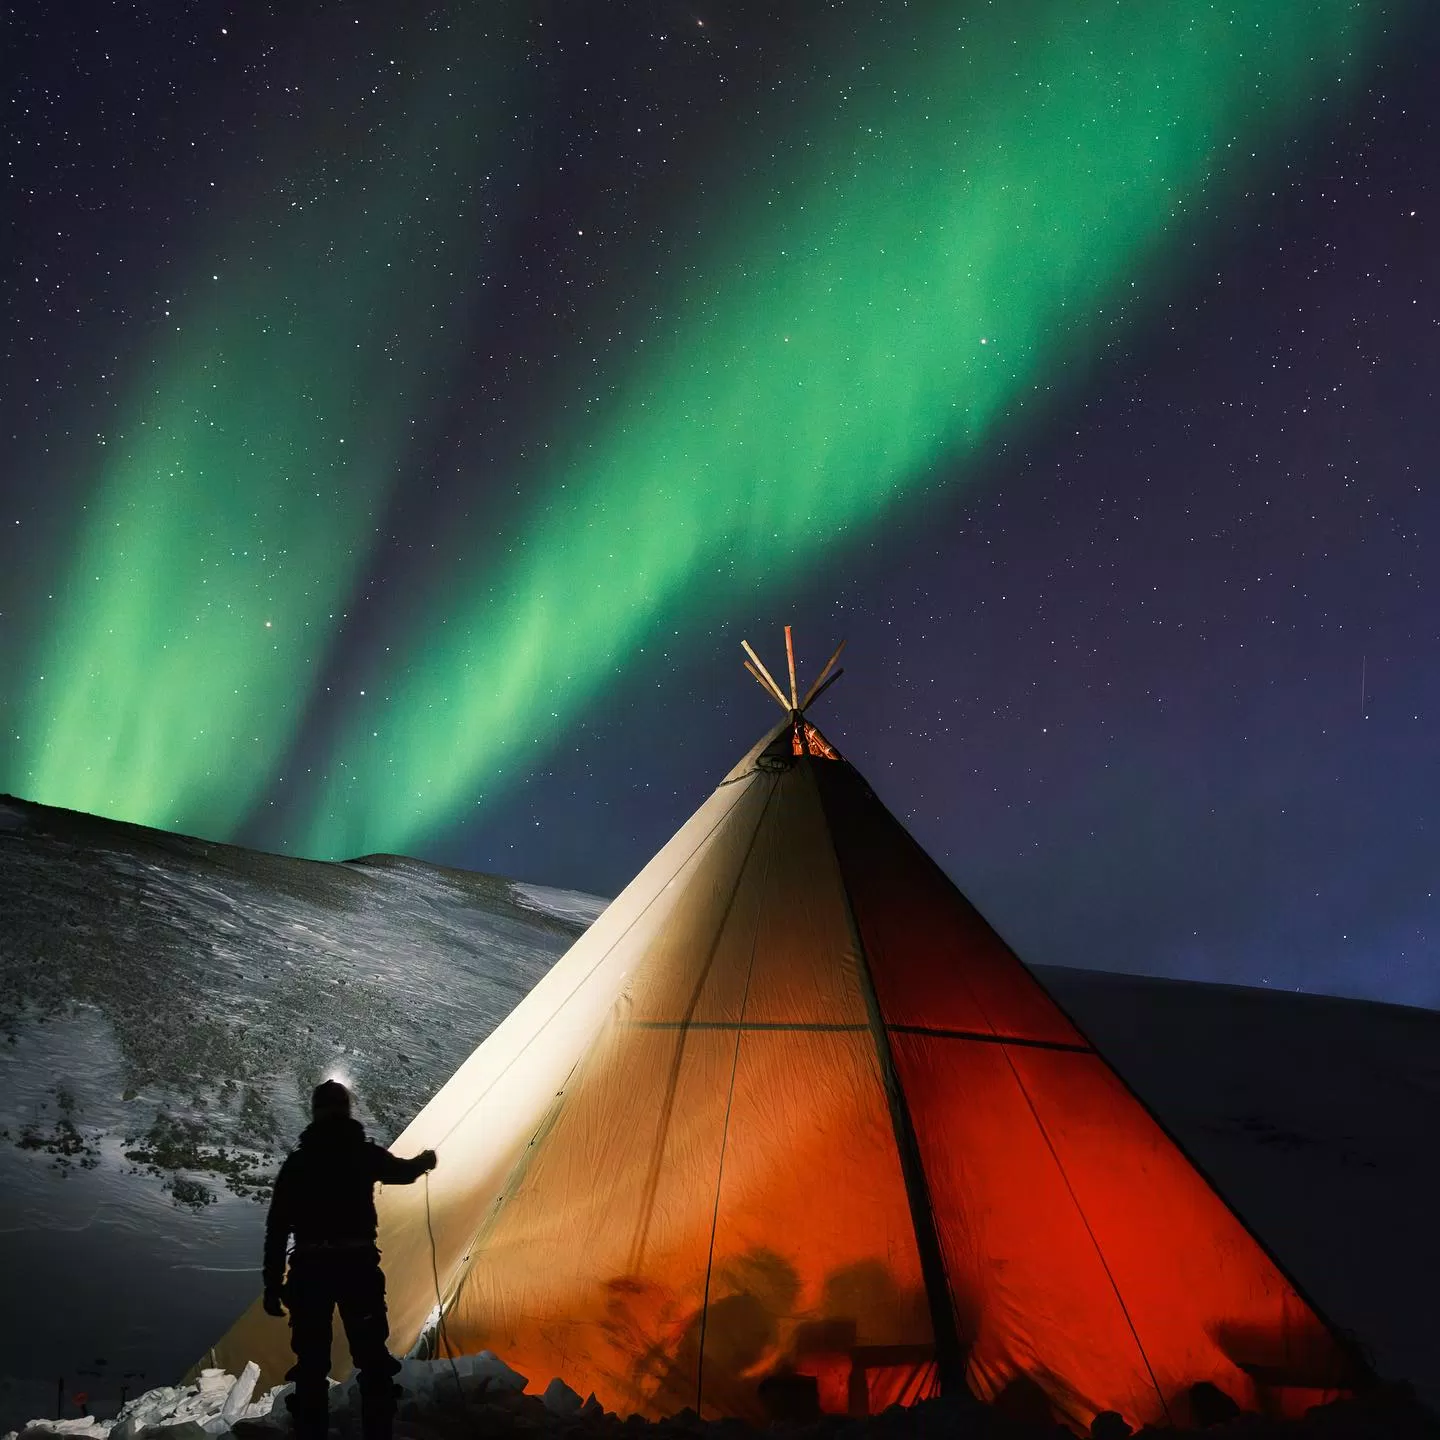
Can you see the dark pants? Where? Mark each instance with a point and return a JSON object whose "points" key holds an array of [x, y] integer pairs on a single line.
{"points": [[319, 1283]]}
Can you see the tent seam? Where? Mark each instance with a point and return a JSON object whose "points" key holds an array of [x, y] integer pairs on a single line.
{"points": [[1085, 1221], [653, 1178], [725, 1129], [945, 1331]]}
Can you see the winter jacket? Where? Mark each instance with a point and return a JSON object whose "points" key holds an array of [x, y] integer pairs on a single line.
{"points": [[325, 1192]]}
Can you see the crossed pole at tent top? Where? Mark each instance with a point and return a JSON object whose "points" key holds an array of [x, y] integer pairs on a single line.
{"points": [[791, 704]]}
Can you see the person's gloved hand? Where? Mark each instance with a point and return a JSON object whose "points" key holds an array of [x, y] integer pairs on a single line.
{"points": [[273, 1302], [428, 1156]]}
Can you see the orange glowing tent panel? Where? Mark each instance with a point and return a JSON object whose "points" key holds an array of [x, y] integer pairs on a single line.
{"points": [[1082, 1249], [791, 1108]]}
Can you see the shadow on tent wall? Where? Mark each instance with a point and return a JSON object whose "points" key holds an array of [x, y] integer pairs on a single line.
{"points": [[731, 1352]]}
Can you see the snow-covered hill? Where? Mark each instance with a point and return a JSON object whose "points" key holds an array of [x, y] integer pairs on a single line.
{"points": [[167, 1004]]}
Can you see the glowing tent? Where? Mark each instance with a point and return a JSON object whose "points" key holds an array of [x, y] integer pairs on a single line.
{"points": [[791, 1107]]}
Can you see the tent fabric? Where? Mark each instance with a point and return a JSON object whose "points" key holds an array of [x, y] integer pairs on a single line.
{"points": [[1087, 1212], [483, 1119], [723, 1092], [792, 1107]]}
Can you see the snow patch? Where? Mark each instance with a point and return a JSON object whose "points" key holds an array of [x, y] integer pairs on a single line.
{"points": [[574, 906], [172, 1412]]}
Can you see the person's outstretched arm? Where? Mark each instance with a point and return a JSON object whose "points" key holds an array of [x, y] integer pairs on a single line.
{"points": [[392, 1170]]}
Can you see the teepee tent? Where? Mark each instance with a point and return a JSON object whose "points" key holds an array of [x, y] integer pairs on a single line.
{"points": [[791, 1106]]}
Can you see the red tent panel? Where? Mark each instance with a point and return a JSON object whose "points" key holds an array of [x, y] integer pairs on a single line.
{"points": [[1083, 1250], [934, 960]]}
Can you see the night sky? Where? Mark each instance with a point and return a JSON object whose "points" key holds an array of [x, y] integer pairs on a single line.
{"points": [[407, 410]]}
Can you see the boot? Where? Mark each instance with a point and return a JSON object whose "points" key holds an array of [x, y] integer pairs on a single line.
{"points": [[377, 1411], [309, 1415]]}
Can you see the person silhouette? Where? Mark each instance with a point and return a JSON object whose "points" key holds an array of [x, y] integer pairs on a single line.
{"points": [[324, 1199]]}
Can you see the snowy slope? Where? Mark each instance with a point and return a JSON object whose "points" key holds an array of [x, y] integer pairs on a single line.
{"points": [[166, 1005]]}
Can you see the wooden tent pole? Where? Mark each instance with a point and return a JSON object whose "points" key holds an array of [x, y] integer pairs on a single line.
{"points": [[813, 698], [813, 693], [768, 689], [779, 694]]}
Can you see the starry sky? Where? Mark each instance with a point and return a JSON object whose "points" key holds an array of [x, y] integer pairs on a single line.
{"points": [[408, 410]]}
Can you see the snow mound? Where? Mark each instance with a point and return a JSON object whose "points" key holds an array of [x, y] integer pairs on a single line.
{"points": [[212, 1406], [573, 906]]}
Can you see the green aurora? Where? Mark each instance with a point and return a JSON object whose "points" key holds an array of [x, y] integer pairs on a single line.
{"points": [[978, 222], [971, 218], [220, 549]]}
